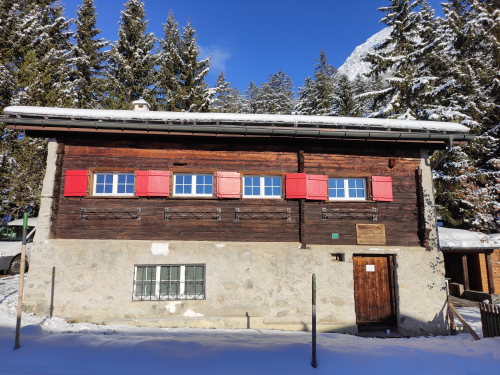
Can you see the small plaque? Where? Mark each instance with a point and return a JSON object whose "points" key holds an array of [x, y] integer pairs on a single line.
{"points": [[335, 236], [370, 268], [370, 234]]}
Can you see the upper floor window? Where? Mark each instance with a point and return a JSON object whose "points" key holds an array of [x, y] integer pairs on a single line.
{"points": [[118, 184], [347, 189], [262, 187], [193, 185]]}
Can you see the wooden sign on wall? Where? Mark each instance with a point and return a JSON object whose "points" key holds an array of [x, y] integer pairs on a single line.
{"points": [[370, 234]]}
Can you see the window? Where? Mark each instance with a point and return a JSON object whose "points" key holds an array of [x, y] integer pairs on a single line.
{"points": [[262, 186], [347, 188], [169, 282], [119, 184], [193, 185]]}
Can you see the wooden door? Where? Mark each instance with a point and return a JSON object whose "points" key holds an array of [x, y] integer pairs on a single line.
{"points": [[374, 289]]}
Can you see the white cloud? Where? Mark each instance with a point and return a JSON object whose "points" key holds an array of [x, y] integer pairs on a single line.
{"points": [[219, 56]]}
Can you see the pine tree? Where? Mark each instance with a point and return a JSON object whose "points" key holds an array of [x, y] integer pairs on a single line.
{"points": [[346, 104], [401, 59], [88, 59], [468, 181], [276, 96], [323, 75], [131, 71], [226, 99], [181, 82], [251, 95], [307, 102]]}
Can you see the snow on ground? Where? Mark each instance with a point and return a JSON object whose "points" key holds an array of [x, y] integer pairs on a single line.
{"points": [[54, 346]]}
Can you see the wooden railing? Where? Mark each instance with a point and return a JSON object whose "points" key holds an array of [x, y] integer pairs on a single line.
{"points": [[490, 320]]}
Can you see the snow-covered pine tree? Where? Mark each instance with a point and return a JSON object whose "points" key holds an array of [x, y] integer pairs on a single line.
{"points": [[181, 82], [34, 51], [131, 72], [226, 99], [307, 94], [323, 75], [401, 58], [276, 96], [468, 181], [316, 96], [251, 95], [88, 59], [346, 104]]}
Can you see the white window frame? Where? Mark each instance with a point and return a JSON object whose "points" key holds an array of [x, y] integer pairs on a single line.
{"points": [[193, 185], [346, 189], [115, 185], [182, 283], [262, 187]]}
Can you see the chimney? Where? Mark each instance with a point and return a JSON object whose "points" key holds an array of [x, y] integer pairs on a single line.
{"points": [[141, 105]]}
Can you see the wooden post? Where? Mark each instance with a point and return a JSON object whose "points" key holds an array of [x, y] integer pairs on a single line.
{"points": [[466, 272], [21, 282], [314, 363], [489, 272], [462, 320], [453, 328]]}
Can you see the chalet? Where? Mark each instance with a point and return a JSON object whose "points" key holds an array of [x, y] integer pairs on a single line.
{"points": [[220, 220]]}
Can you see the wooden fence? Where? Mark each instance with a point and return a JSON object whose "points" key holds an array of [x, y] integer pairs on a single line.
{"points": [[490, 320]]}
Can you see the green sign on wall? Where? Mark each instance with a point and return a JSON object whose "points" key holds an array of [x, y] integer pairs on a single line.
{"points": [[335, 236]]}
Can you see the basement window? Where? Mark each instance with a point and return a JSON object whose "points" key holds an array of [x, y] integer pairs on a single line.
{"points": [[169, 282]]}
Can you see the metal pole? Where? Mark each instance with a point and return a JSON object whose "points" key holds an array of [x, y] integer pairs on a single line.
{"points": [[21, 281], [314, 363]]}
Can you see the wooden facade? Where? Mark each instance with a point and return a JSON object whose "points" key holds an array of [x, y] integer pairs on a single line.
{"points": [[256, 155]]}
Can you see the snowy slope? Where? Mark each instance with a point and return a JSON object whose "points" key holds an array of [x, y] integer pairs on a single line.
{"points": [[354, 64]]}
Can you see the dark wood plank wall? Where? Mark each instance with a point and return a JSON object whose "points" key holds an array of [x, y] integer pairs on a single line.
{"points": [[399, 217], [255, 155]]}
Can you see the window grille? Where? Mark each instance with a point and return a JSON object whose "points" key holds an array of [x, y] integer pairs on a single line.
{"points": [[169, 282]]}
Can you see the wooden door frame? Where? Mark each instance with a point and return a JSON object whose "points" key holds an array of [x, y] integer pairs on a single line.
{"points": [[392, 283]]}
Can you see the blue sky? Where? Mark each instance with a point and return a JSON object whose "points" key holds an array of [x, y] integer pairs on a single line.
{"points": [[249, 40]]}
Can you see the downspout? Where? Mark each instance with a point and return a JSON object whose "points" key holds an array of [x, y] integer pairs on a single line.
{"points": [[450, 145]]}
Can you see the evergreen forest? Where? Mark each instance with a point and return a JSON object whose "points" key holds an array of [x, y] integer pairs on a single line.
{"points": [[430, 68]]}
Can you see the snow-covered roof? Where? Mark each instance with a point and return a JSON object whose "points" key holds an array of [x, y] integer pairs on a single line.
{"points": [[231, 118], [141, 101], [457, 239]]}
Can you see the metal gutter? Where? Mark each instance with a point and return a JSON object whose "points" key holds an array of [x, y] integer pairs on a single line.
{"points": [[65, 125], [450, 145]]}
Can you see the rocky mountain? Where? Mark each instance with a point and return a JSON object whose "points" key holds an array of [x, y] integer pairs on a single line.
{"points": [[354, 64]]}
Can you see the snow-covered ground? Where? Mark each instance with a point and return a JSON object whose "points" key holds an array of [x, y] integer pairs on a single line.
{"points": [[54, 346]]}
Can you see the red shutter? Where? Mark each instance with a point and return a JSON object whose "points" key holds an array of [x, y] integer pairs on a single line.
{"points": [[296, 186], [152, 183], [228, 185], [317, 187], [382, 188], [75, 183]]}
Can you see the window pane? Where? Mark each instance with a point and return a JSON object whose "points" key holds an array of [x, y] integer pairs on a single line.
{"points": [[187, 189], [188, 179], [199, 189], [256, 191], [165, 274], [359, 184], [340, 193], [189, 273], [130, 189], [352, 184], [352, 193], [108, 189], [268, 191], [121, 178], [276, 181], [268, 181], [199, 179], [121, 189], [199, 273], [276, 191], [208, 189], [99, 189], [175, 273], [130, 179], [178, 189], [248, 191], [100, 178]]}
